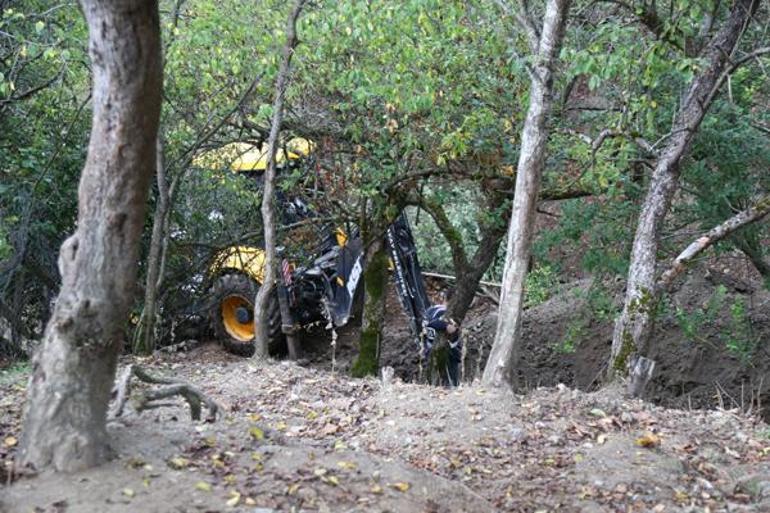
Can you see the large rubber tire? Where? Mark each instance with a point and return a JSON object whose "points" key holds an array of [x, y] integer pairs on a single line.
{"points": [[236, 290]]}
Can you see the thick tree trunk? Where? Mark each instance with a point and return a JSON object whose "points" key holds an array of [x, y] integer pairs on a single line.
{"points": [[635, 325], [262, 324], [144, 340], [503, 357], [74, 368], [375, 285]]}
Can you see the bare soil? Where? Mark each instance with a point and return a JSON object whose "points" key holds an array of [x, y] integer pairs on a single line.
{"points": [[306, 439], [691, 373]]}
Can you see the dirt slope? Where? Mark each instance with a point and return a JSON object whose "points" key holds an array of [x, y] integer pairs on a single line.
{"points": [[298, 439]]}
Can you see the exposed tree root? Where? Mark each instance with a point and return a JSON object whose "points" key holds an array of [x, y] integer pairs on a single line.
{"points": [[151, 399]]}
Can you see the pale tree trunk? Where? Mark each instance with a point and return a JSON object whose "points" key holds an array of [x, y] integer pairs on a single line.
{"points": [[634, 326], [640, 367], [503, 358], [74, 368], [261, 321]]}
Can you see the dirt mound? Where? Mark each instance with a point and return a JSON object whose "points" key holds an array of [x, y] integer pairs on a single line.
{"points": [[710, 353], [301, 439]]}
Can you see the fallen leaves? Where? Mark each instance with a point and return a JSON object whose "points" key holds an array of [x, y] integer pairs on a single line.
{"points": [[400, 486], [10, 441], [256, 433], [178, 463], [347, 465], [235, 498], [325, 476], [330, 429], [203, 486], [648, 440]]}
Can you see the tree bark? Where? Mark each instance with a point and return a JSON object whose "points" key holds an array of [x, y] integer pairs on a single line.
{"points": [[261, 327], [375, 284], [634, 326], [468, 280], [503, 357], [74, 369], [144, 342]]}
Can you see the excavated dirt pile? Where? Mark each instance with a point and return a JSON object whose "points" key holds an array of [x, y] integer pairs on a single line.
{"points": [[722, 361]]}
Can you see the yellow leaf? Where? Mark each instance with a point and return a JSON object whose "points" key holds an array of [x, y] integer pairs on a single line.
{"points": [[249, 501], [255, 417], [339, 445], [401, 487], [333, 480], [135, 463], [256, 433], [128, 492], [281, 426], [648, 440], [178, 463], [203, 486], [211, 441], [601, 439], [347, 465], [376, 489], [320, 471], [230, 479], [292, 489], [234, 499], [10, 441]]}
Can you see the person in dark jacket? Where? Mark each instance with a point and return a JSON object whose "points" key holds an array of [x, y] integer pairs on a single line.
{"points": [[435, 325]]}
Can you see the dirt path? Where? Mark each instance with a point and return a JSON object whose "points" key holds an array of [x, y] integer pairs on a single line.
{"points": [[294, 439]]}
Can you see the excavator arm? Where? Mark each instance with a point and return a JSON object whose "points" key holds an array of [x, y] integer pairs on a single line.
{"points": [[407, 275]]}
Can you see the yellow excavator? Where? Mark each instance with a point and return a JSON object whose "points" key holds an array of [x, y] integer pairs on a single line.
{"points": [[321, 287]]}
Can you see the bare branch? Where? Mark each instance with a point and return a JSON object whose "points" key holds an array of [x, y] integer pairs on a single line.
{"points": [[756, 212]]}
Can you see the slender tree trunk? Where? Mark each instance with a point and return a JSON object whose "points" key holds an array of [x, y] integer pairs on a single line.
{"points": [[144, 342], [375, 285], [752, 249], [74, 369], [503, 357], [468, 280], [268, 194], [635, 325]]}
